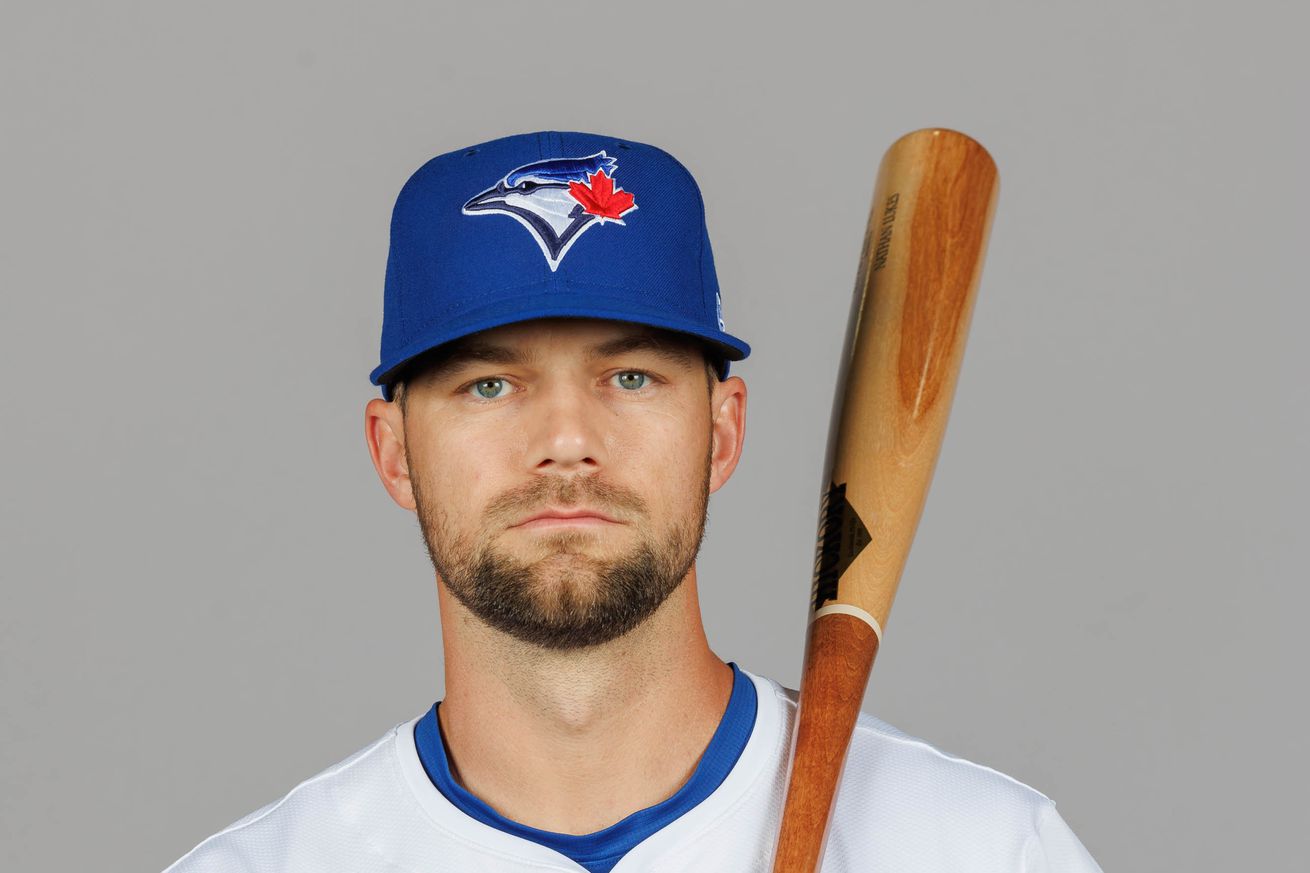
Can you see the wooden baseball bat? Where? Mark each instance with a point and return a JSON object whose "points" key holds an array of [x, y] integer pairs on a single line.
{"points": [[918, 276]]}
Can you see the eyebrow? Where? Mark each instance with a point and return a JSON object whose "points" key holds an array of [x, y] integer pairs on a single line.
{"points": [[441, 362], [464, 352], [671, 351]]}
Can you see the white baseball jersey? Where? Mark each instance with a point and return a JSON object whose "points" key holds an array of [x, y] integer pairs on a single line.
{"points": [[903, 806]]}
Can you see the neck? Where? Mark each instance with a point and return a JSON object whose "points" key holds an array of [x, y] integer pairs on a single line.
{"points": [[572, 742]]}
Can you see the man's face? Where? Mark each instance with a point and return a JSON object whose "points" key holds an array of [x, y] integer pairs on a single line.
{"points": [[562, 416]]}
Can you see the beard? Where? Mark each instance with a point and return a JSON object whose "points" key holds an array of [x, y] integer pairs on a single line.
{"points": [[564, 598]]}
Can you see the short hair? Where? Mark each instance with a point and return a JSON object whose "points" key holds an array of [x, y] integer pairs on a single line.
{"points": [[715, 366]]}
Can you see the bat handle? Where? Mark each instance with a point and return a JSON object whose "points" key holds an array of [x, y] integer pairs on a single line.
{"points": [[839, 653]]}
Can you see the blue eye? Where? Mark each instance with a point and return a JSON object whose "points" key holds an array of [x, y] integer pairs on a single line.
{"points": [[492, 385], [626, 380]]}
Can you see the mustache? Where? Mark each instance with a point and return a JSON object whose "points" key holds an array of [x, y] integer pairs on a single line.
{"points": [[592, 491]]}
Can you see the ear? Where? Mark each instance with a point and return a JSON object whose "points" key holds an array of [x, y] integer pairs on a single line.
{"points": [[727, 429], [384, 431]]}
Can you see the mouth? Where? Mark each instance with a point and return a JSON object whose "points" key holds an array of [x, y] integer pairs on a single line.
{"points": [[566, 518]]}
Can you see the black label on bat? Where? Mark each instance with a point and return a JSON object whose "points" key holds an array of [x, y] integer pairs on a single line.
{"points": [[842, 536], [885, 232]]}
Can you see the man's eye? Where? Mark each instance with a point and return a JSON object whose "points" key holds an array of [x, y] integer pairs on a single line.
{"points": [[632, 379], [489, 389]]}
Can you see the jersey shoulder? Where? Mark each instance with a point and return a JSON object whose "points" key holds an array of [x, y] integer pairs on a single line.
{"points": [[895, 783], [882, 749], [310, 814]]}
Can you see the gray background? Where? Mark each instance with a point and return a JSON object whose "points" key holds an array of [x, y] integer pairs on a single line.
{"points": [[209, 597]]}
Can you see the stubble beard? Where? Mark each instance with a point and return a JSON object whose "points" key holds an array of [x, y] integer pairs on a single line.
{"points": [[566, 599]]}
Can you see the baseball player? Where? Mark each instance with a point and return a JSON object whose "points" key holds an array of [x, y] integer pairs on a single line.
{"points": [[556, 409]]}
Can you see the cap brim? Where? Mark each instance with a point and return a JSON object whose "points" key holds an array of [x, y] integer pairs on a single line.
{"points": [[518, 310]]}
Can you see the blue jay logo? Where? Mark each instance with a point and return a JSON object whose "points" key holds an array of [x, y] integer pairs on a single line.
{"points": [[557, 199]]}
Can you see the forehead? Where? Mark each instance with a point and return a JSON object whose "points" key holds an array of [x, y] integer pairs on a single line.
{"points": [[582, 338]]}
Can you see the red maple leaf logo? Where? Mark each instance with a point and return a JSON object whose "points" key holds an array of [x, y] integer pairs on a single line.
{"points": [[600, 197]]}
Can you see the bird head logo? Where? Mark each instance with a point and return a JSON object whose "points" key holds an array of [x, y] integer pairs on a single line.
{"points": [[557, 199]]}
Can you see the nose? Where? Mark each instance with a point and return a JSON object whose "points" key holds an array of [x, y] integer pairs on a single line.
{"points": [[567, 432]]}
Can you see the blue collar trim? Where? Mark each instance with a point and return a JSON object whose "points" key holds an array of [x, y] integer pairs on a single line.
{"points": [[598, 852]]}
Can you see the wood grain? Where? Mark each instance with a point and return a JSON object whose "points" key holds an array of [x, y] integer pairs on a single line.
{"points": [[918, 276], [840, 654]]}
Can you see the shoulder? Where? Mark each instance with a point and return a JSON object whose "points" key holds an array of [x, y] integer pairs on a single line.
{"points": [[879, 749], [895, 783], [310, 814]]}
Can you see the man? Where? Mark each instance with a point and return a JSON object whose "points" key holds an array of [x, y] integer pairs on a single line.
{"points": [[557, 410]]}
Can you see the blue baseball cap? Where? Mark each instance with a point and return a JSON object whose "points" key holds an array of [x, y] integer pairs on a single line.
{"points": [[542, 225]]}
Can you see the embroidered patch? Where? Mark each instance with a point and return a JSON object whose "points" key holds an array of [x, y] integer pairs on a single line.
{"points": [[557, 199]]}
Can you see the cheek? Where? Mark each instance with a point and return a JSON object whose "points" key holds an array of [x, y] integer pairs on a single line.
{"points": [[464, 468], [666, 451]]}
